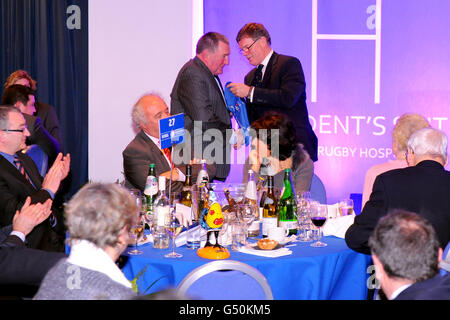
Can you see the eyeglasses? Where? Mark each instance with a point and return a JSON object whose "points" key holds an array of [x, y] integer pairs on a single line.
{"points": [[245, 49], [15, 130]]}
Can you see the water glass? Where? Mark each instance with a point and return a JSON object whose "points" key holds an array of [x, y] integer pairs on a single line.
{"points": [[238, 235]]}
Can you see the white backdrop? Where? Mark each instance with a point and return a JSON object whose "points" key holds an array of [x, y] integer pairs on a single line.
{"points": [[135, 47]]}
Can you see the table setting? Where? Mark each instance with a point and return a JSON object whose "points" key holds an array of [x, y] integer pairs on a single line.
{"points": [[332, 271]]}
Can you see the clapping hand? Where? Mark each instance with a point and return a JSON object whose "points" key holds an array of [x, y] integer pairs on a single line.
{"points": [[58, 172], [31, 215]]}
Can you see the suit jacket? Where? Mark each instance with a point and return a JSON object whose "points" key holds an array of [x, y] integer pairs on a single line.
{"points": [[50, 120], [15, 188], [283, 90], [21, 265], [40, 136], [138, 155], [436, 288], [423, 189], [197, 95]]}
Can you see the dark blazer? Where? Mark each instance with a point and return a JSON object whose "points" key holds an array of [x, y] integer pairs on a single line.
{"points": [[21, 265], [138, 155], [197, 95], [50, 120], [40, 136], [436, 288], [15, 188], [283, 90], [423, 189]]}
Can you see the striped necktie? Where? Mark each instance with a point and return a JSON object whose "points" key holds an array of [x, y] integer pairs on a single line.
{"points": [[21, 169]]}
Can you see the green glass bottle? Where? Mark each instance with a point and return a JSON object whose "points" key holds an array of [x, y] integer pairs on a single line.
{"points": [[186, 193], [287, 206], [151, 188]]}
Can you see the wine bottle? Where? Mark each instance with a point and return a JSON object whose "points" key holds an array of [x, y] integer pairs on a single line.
{"points": [[162, 205], [151, 188], [251, 198], [203, 177], [287, 208], [232, 203], [270, 218], [186, 193]]}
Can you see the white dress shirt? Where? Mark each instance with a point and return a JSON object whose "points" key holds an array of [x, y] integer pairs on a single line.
{"points": [[265, 62], [181, 176]]}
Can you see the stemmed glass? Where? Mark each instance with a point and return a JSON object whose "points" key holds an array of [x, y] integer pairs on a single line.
{"points": [[346, 207], [318, 216], [173, 229], [246, 215], [303, 220], [136, 232]]}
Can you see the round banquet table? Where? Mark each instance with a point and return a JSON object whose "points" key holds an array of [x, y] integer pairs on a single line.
{"points": [[334, 272]]}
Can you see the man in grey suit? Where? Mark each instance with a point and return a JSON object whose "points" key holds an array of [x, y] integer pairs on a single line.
{"points": [[198, 94], [145, 148]]}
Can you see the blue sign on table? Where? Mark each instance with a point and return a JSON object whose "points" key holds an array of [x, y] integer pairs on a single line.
{"points": [[171, 130]]}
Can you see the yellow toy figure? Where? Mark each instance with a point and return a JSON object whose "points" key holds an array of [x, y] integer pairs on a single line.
{"points": [[212, 220]]}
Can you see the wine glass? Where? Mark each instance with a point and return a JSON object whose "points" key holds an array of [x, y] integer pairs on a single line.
{"points": [[346, 207], [136, 232], [173, 229], [246, 216], [318, 216]]}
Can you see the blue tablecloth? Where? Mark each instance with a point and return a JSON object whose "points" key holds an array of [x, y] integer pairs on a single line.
{"points": [[334, 272]]}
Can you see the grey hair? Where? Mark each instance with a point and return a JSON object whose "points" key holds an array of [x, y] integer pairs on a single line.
{"points": [[137, 113], [98, 212], [210, 41], [407, 246], [4, 115], [429, 141]]}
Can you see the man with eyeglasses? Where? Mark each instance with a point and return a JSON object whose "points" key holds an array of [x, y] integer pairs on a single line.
{"points": [[20, 178], [23, 98], [198, 94], [276, 84]]}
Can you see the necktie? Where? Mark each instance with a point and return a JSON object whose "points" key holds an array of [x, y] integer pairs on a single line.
{"points": [[257, 81], [168, 153], [220, 86], [21, 169]]}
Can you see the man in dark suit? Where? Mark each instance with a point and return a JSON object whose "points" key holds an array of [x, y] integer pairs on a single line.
{"points": [[277, 84], [19, 178], [198, 94], [44, 111], [145, 148], [22, 269], [406, 254], [423, 188], [23, 98]]}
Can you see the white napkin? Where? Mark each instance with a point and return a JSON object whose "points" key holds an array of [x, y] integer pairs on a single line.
{"points": [[333, 211], [183, 214], [338, 226], [266, 253]]}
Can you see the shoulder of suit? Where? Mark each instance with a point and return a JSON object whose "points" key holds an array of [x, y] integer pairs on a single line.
{"points": [[140, 142]]}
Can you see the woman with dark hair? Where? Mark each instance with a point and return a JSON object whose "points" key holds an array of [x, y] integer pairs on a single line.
{"points": [[275, 147]]}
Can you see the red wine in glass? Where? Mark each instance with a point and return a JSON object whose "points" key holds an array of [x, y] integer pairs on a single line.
{"points": [[318, 221]]}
